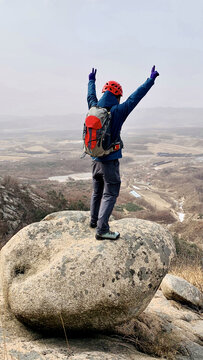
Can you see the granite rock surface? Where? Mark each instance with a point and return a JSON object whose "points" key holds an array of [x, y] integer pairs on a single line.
{"points": [[55, 272]]}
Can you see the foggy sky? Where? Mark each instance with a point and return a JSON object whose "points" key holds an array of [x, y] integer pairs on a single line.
{"points": [[48, 47]]}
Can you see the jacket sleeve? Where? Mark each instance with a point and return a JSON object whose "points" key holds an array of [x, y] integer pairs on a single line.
{"points": [[125, 108], [91, 95]]}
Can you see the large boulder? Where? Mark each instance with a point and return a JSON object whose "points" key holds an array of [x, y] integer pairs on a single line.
{"points": [[178, 289], [55, 273], [23, 343]]}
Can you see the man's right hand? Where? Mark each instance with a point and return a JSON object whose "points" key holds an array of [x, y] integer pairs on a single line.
{"points": [[92, 75], [154, 73]]}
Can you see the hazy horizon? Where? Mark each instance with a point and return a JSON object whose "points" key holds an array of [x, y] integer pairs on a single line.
{"points": [[142, 118], [138, 109]]}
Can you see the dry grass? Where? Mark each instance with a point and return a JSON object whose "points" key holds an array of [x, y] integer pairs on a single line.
{"points": [[188, 263], [193, 273], [65, 334]]}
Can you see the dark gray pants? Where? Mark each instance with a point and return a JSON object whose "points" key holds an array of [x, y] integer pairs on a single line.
{"points": [[106, 186]]}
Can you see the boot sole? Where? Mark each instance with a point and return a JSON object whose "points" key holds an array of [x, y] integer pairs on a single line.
{"points": [[99, 237]]}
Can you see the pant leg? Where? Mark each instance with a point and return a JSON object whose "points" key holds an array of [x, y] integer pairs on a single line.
{"points": [[112, 182], [98, 187]]}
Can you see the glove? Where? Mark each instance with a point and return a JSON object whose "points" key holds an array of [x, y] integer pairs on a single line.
{"points": [[92, 75], [154, 73]]}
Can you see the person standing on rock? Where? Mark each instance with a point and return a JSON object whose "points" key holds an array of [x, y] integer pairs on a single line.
{"points": [[105, 169]]}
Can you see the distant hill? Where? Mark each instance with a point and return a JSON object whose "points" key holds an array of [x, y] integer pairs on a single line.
{"points": [[166, 118], [140, 118]]}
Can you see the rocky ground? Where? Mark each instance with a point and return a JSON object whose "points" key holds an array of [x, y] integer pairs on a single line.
{"points": [[170, 327]]}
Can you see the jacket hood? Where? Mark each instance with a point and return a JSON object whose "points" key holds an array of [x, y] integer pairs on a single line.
{"points": [[107, 100]]}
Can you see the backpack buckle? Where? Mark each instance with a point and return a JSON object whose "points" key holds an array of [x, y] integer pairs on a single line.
{"points": [[117, 147]]}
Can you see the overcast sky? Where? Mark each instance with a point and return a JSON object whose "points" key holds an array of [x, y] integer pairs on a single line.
{"points": [[48, 47]]}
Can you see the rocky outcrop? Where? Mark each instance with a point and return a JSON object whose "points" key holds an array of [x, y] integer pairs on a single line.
{"points": [[178, 289], [19, 206], [167, 328], [55, 272]]}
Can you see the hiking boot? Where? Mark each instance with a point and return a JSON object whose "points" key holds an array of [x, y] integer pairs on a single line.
{"points": [[110, 235], [93, 224]]}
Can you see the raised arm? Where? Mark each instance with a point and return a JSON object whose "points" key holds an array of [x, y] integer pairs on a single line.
{"points": [[128, 105], [91, 96]]}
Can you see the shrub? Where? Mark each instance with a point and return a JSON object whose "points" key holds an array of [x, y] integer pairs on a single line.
{"points": [[129, 207], [10, 183], [163, 216], [187, 251], [57, 199], [78, 205], [3, 227], [39, 214], [119, 208], [132, 207]]}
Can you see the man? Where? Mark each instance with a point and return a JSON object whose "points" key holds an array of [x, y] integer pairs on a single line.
{"points": [[105, 169]]}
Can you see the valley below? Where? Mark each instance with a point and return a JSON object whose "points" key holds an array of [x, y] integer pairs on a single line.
{"points": [[42, 172], [161, 170]]}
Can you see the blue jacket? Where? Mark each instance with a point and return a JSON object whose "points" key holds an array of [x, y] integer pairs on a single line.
{"points": [[119, 112]]}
